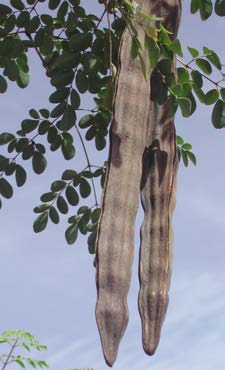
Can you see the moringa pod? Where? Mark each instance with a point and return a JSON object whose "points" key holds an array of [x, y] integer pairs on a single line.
{"points": [[158, 187], [115, 239]]}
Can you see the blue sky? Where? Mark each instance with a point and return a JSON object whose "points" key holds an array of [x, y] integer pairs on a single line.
{"points": [[48, 287]]}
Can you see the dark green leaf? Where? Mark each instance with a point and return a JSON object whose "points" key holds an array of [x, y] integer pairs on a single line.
{"points": [[40, 222], [175, 46], [62, 205], [211, 96], [59, 96], [53, 215], [80, 41], [100, 141], [91, 242], [212, 57], [58, 185], [62, 79], [53, 4], [153, 51], [10, 169], [6, 189], [3, 83], [6, 137], [58, 110], [194, 6], [81, 82], [21, 175], [23, 79], [39, 163], [75, 99], [185, 106], [48, 197], [40, 148], [41, 208], [69, 174], [220, 8], [218, 114], [29, 125], [164, 66], [28, 152], [184, 157], [4, 10], [68, 150], [158, 88], [86, 121], [205, 7], [72, 196], [222, 93], [84, 188], [197, 78], [4, 162], [18, 4], [68, 119], [192, 157], [45, 113], [204, 65], [71, 234]]}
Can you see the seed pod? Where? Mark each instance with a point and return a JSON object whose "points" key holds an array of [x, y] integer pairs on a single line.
{"points": [[158, 188], [115, 238]]}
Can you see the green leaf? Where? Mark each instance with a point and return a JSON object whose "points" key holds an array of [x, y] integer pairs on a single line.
{"points": [[81, 82], [185, 106], [153, 51], [184, 157], [21, 175], [211, 96], [220, 8], [218, 114], [53, 4], [72, 196], [158, 88], [84, 188], [100, 141], [194, 52], [19, 362], [6, 137], [212, 57], [29, 125], [164, 66], [58, 110], [40, 222], [45, 113], [11, 70], [28, 152], [80, 41], [53, 215], [62, 79], [62, 205], [69, 175], [194, 6], [39, 162], [205, 7], [4, 10], [68, 149], [86, 121], [48, 197], [75, 99], [183, 75], [197, 78], [59, 96], [6, 189], [41, 208], [192, 157], [204, 65], [175, 46], [23, 79], [71, 233], [95, 215], [18, 4], [91, 242], [58, 185], [3, 83], [186, 146], [68, 119], [180, 140], [222, 93]]}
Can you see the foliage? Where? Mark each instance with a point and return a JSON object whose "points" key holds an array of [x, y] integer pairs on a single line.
{"points": [[19, 339], [79, 52]]}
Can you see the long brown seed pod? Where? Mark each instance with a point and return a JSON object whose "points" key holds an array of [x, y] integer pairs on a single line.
{"points": [[114, 255], [158, 188]]}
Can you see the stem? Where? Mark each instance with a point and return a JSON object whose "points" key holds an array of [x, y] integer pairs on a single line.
{"points": [[192, 69], [88, 162], [10, 353]]}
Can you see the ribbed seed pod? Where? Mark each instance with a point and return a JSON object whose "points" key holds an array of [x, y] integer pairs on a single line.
{"points": [[115, 238], [158, 187]]}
